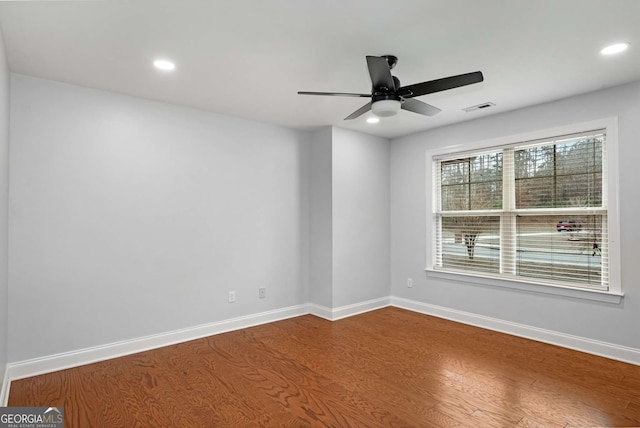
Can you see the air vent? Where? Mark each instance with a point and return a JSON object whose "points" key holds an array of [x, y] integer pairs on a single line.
{"points": [[479, 107]]}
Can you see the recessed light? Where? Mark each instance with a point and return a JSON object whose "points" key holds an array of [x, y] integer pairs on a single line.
{"points": [[164, 65], [373, 120], [614, 49]]}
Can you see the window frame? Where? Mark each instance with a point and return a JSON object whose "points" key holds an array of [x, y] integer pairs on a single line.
{"points": [[610, 186]]}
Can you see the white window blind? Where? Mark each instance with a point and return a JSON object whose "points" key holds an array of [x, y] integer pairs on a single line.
{"points": [[531, 210]]}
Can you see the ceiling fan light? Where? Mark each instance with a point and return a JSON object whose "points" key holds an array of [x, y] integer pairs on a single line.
{"points": [[385, 108]]}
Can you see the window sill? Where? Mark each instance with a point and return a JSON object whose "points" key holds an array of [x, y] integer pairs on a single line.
{"points": [[594, 295]]}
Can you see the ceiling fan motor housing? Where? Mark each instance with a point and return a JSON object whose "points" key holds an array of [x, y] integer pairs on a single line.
{"points": [[392, 60]]}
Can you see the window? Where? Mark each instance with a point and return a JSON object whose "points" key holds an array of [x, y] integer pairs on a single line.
{"points": [[534, 209]]}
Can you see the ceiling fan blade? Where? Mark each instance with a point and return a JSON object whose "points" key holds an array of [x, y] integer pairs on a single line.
{"points": [[420, 107], [380, 73], [362, 110], [335, 94], [438, 85]]}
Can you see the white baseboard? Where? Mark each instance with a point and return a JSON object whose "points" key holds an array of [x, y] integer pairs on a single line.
{"points": [[81, 357], [359, 308], [348, 310], [321, 311], [590, 346], [4, 389]]}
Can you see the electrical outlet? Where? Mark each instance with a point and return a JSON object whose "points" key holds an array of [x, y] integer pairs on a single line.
{"points": [[232, 296], [409, 282], [262, 292]]}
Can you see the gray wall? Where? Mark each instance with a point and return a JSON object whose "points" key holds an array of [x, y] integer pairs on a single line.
{"points": [[320, 219], [360, 217], [614, 323], [130, 217], [349, 218], [4, 203]]}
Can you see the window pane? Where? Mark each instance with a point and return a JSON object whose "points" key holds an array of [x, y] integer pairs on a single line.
{"points": [[455, 172], [472, 183], [534, 162], [561, 174], [471, 243], [534, 192], [580, 190], [487, 167], [561, 248], [486, 196], [582, 156], [455, 197]]}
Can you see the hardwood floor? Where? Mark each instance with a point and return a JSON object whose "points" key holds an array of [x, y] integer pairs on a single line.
{"points": [[386, 368]]}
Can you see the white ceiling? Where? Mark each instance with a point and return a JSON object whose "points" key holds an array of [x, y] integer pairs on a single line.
{"points": [[248, 58]]}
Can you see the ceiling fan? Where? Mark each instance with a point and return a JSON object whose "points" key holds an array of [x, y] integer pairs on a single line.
{"points": [[388, 97]]}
